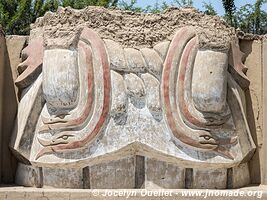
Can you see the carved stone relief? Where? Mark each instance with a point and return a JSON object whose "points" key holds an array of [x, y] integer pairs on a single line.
{"points": [[93, 101]]}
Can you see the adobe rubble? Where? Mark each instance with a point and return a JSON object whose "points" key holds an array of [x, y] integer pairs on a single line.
{"points": [[135, 30]]}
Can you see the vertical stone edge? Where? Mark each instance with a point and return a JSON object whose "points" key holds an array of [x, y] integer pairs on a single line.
{"points": [[9, 59], [241, 176], [252, 50], [264, 90], [10, 111], [86, 178], [188, 178], [8, 115], [2, 63], [139, 172], [229, 183], [41, 178]]}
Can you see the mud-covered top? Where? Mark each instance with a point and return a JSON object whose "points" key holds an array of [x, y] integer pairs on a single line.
{"points": [[137, 30]]}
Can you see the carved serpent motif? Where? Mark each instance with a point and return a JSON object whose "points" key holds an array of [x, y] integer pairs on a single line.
{"points": [[66, 140], [184, 123], [181, 54]]}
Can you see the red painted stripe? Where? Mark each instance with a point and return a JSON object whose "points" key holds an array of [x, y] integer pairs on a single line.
{"points": [[184, 65], [179, 129], [177, 126], [98, 48]]}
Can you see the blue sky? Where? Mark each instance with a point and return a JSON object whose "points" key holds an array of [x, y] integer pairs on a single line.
{"points": [[198, 3]]}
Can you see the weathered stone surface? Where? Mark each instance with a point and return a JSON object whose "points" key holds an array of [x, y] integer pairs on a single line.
{"points": [[28, 176], [209, 179], [61, 91], [135, 60], [264, 148], [162, 49], [238, 69], [62, 178], [31, 65], [119, 98], [153, 103], [15, 44], [209, 85], [119, 174], [8, 109], [2, 65], [28, 112], [135, 89], [153, 62], [240, 176], [254, 108], [116, 56], [163, 175]]}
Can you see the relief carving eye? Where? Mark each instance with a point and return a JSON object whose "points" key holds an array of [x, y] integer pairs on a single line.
{"points": [[65, 137], [207, 137]]}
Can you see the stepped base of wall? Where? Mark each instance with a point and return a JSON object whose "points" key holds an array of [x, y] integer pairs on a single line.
{"points": [[18, 193]]}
